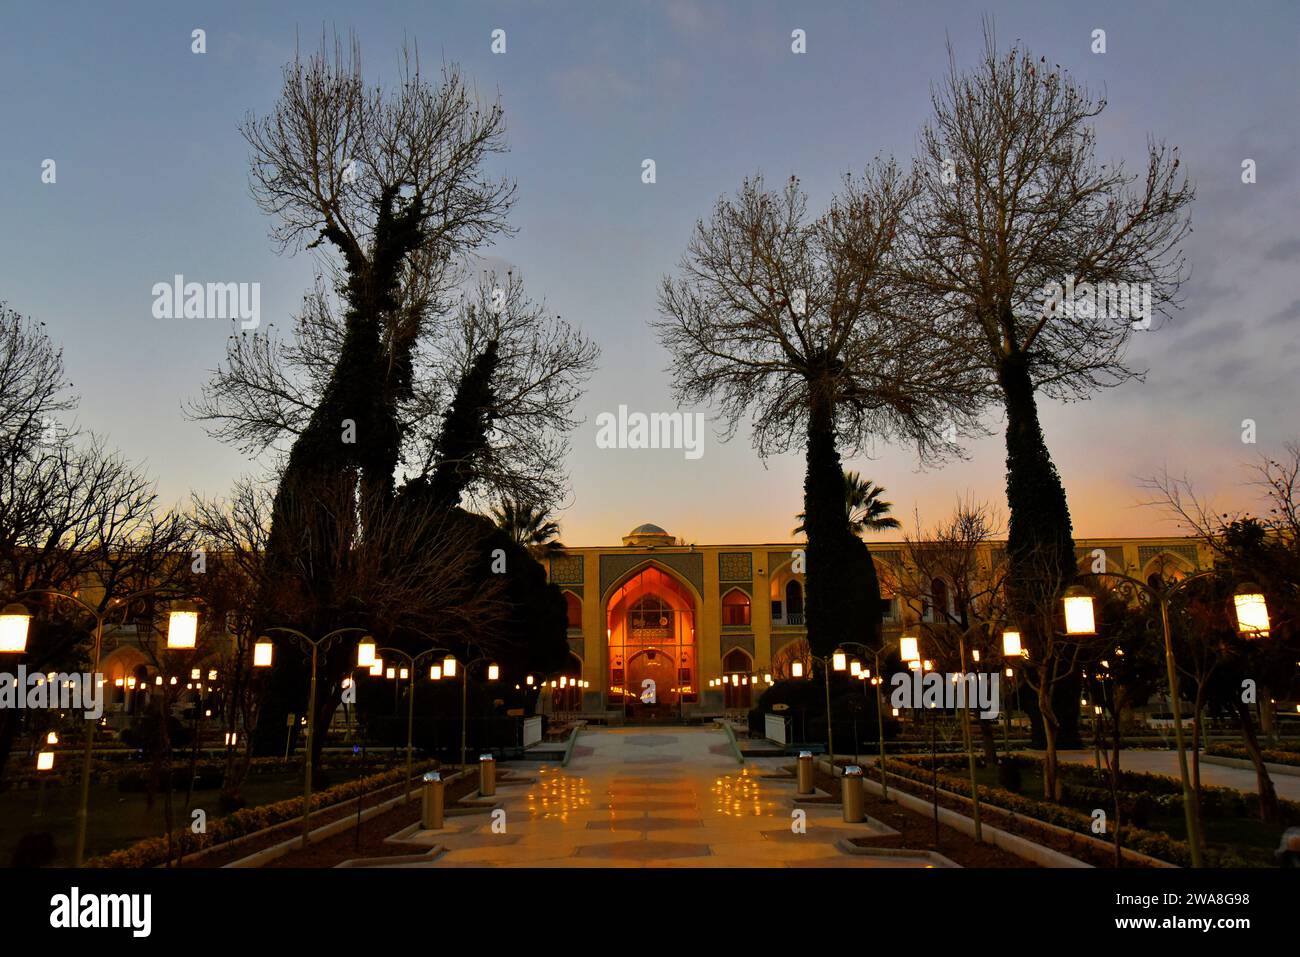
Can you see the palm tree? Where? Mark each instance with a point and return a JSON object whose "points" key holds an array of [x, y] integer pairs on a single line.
{"points": [[863, 506], [529, 525]]}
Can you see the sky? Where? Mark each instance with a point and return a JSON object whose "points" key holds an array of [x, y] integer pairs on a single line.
{"points": [[152, 180]]}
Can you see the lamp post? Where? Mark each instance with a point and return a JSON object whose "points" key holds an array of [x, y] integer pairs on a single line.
{"points": [[413, 662], [1252, 621], [877, 681], [314, 646], [827, 664], [450, 664], [15, 620]]}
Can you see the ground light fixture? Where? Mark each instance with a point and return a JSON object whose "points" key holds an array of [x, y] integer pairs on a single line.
{"points": [[183, 626], [15, 620]]}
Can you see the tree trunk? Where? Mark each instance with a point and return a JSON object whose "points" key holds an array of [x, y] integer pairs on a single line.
{"points": [[1051, 784], [989, 741], [842, 598], [1269, 811]]}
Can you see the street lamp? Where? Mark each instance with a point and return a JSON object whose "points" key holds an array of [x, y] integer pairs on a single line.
{"points": [[435, 672], [315, 647], [1252, 621]]}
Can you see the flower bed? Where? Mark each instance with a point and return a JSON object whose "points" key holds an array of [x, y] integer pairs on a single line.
{"points": [[153, 851]]}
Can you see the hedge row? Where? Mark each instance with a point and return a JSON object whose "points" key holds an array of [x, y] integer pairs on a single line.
{"points": [[1271, 755], [1152, 843], [152, 851]]}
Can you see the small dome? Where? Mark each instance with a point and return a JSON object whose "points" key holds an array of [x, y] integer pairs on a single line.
{"points": [[648, 534]]}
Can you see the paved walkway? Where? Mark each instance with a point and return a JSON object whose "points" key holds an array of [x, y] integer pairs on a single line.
{"points": [[1213, 775], [650, 798]]}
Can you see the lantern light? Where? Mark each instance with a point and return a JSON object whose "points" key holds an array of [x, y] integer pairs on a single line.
{"points": [[52, 738], [195, 674], [15, 620], [909, 649], [449, 666], [435, 672], [183, 626], [1252, 612], [263, 653], [494, 671], [839, 660], [404, 674], [45, 761], [1011, 647], [796, 669], [366, 653], [377, 668], [1079, 617]]}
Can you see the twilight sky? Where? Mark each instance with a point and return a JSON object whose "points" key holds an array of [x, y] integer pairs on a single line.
{"points": [[152, 181]]}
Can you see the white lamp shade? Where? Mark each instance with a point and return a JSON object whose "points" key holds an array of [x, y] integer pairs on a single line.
{"points": [[449, 667], [908, 648], [1079, 618], [263, 654], [183, 627], [839, 661], [494, 672], [1252, 613], [45, 761], [377, 668], [796, 669], [1011, 644], [366, 654], [435, 672], [14, 623]]}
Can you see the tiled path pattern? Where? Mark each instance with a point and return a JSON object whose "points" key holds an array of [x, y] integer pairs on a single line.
{"points": [[650, 798]]}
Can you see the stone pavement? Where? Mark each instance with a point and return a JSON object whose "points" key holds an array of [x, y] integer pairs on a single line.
{"points": [[650, 797]]}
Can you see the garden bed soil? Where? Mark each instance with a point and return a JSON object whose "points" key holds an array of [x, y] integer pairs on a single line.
{"points": [[333, 851], [244, 846], [916, 832]]}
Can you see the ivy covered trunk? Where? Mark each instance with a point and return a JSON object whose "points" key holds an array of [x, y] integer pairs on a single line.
{"points": [[843, 594], [1040, 546]]}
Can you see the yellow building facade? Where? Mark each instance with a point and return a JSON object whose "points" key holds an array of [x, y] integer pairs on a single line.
{"points": [[663, 629]]}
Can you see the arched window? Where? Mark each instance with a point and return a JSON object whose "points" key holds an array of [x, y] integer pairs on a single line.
{"points": [[650, 613], [794, 598], [735, 608], [573, 607]]}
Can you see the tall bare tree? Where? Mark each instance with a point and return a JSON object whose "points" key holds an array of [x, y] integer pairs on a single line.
{"points": [[1017, 228], [797, 325]]}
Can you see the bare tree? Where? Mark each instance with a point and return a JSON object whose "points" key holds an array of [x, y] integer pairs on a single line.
{"points": [[1014, 208], [798, 326]]}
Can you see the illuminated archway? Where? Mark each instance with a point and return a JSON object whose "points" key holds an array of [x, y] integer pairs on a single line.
{"points": [[650, 626]]}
